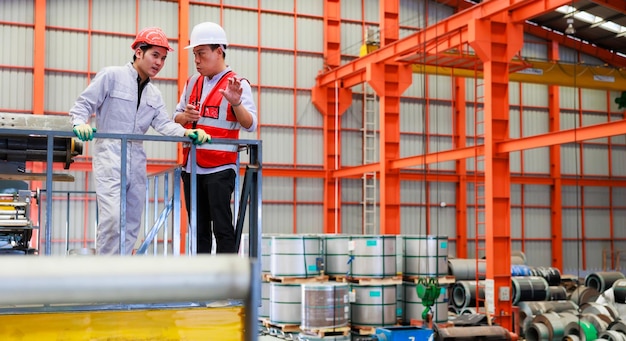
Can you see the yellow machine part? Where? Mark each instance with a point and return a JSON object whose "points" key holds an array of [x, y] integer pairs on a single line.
{"points": [[223, 324]]}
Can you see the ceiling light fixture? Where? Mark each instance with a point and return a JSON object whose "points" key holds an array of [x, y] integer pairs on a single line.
{"points": [[570, 27]]}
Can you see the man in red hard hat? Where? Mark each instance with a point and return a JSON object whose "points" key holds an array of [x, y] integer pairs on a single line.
{"points": [[125, 102]]}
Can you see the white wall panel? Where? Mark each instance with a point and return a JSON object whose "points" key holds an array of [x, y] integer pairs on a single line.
{"points": [[411, 13], [534, 122], [116, 16], [570, 159], [442, 223], [593, 119], [440, 119], [537, 195], [17, 89], [351, 10], [537, 161], [277, 98], [310, 7], [351, 38], [597, 223], [17, 11], [572, 223], [310, 218], [594, 100], [68, 13], [151, 14], [278, 189], [20, 41], [307, 67], [242, 61], [534, 48], [619, 217], [351, 219], [594, 254], [70, 50], [413, 220], [596, 196], [412, 116], [107, 50], [305, 40], [538, 253], [416, 89], [307, 113], [440, 87], [535, 95], [283, 137], [618, 161], [278, 218], [516, 222], [309, 146], [310, 190], [537, 223], [351, 148], [271, 25], [352, 118], [595, 160], [241, 26], [572, 256], [277, 68], [62, 89]]}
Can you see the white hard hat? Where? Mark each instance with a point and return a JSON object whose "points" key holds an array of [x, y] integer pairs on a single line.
{"points": [[207, 33]]}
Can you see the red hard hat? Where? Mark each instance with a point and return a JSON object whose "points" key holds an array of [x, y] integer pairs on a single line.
{"points": [[151, 36]]}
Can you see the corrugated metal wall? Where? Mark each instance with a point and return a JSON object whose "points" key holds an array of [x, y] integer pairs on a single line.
{"points": [[278, 47]]}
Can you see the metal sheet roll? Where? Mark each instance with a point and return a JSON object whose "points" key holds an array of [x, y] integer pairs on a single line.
{"points": [[464, 293], [554, 326], [602, 280], [584, 294], [550, 274], [557, 293], [612, 335], [582, 329], [465, 269], [529, 289], [538, 332], [487, 333], [124, 279]]}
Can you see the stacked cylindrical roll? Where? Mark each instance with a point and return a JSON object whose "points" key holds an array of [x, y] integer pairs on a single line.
{"points": [[324, 305]]}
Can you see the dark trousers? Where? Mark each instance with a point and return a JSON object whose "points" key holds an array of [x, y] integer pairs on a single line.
{"points": [[214, 192]]}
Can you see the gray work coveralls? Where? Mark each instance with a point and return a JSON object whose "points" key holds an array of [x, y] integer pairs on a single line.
{"points": [[113, 95]]}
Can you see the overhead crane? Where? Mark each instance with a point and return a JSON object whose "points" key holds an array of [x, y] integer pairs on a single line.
{"points": [[494, 31]]}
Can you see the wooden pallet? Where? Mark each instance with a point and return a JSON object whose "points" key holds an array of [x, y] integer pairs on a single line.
{"points": [[364, 330], [443, 280], [295, 280], [368, 280], [285, 328], [323, 332]]}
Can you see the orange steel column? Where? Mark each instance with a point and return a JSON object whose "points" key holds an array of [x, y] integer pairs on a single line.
{"points": [[389, 81], [39, 56], [332, 101], [461, 167], [496, 41], [556, 190]]}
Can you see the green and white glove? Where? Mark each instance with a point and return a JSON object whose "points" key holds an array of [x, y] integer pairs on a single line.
{"points": [[84, 131], [198, 136]]}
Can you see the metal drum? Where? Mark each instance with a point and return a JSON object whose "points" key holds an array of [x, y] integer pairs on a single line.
{"points": [[413, 307], [264, 309], [425, 256], [325, 305], [373, 256], [374, 305], [295, 256], [336, 254], [285, 303]]}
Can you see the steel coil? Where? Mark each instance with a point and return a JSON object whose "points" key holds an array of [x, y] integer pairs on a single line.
{"points": [[602, 280], [557, 293], [538, 332], [612, 335], [464, 294], [550, 274], [529, 289], [486, 333], [582, 329], [554, 325], [465, 269], [584, 294], [618, 326]]}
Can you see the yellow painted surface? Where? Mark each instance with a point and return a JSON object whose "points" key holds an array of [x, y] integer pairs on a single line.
{"points": [[202, 324]]}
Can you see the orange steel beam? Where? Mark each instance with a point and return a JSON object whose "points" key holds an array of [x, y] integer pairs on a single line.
{"points": [[39, 56], [461, 167], [443, 156], [332, 102], [564, 136], [496, 41], [389, 82], [556, 190], [518, 10], [183, 60]]}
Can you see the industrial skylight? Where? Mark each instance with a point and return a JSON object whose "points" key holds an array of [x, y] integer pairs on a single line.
{"points": [[593, 20]]}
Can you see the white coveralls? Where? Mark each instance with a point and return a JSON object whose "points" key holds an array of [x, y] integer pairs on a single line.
{"points": [[113, 95]]}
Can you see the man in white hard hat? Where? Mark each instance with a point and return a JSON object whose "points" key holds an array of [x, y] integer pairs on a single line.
{"points": [[125, 102], [220, 102]]}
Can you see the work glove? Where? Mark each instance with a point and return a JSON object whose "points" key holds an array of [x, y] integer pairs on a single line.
{"points": [[198, 136], [84, 131]]}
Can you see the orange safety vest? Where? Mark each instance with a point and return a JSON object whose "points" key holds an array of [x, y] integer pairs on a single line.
{"points": [[217, 118]]}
